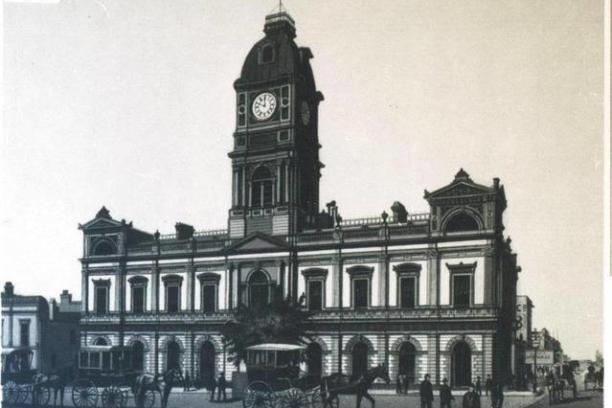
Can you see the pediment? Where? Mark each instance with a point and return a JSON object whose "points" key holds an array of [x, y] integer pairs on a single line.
{"points": [[100, 223], [459, 189], [258, 242]]}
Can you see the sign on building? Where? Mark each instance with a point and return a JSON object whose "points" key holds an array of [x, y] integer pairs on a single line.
{"points": [[543, 357]]}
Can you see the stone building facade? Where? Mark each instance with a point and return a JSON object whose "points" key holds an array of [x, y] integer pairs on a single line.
{"points": [[50, 330], [425, 293]]}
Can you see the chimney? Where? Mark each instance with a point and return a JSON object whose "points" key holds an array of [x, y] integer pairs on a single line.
{"points": [[183, 231], [9, 289], [399, 212], [65, 297]]}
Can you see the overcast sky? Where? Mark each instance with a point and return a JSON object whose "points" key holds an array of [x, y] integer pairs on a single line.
{"points": [[130, 105]]}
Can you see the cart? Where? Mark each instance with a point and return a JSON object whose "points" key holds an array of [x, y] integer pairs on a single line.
{"points": [[275, 379], [106, 374], [18, 385]]}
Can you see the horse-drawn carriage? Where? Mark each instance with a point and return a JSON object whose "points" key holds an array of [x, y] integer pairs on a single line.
{"points": [[107, 373], [18, 379], [275, 380]]}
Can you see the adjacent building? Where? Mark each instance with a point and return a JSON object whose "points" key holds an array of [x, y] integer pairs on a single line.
{"points": [[546, 351], [49, 330], [424, 293]]}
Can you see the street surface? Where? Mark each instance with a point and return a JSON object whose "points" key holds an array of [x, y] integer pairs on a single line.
{"points": [[200, 399]]}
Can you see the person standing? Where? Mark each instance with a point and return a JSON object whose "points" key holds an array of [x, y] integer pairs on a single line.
{"points": [[221, 387], [471, 399], [212, 385], [186, 381], [488, 384], [446, 395], [426, 392], [499, 394], [478, 387]]}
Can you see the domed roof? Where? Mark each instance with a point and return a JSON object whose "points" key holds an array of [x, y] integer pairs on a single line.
{"points": [[276, 55]]}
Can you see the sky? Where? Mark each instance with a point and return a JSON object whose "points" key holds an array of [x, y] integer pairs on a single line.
{"points": [[130, 104]]}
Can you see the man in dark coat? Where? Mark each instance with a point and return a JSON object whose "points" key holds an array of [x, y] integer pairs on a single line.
{"points": [[426, 392], [488, 384], [212, 386], [445, 394], [471, 399], [221, 387], [499, 394]]}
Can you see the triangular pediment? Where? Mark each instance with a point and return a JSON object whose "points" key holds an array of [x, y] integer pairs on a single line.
{"points": [[460, 188], [100, 223], [258, 242]]}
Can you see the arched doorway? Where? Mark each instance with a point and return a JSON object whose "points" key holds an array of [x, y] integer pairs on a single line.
{"points": [[360, 360], [407, 361], [461, 365], [207, 362], [314, 360], [173, 355], [138, 356]]}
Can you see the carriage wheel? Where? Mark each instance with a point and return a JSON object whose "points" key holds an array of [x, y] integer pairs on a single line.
{"points": [[41, 395], [149, 399], [292, 398], [315, 400], [258, 395], [10, 392], [25, 391], [113, 397], [84, 394]]}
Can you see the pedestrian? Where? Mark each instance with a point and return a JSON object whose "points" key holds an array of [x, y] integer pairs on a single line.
{"points": [[221, 387], [212, 385], [446, 395], [398, 384], [478, 386], [405, 382], [499, 394], [426, 392], [488, 384], [186, 382], [471, 399]]}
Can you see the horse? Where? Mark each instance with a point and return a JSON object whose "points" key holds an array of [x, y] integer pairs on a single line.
{"points": [[150, 382], [56, 381], [336, 384]]}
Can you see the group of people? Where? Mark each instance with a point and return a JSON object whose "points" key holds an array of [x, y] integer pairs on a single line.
{"points": [[211, 385], [471, 399]]}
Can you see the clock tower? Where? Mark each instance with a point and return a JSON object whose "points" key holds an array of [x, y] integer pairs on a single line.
{"points": [[275, 158]]}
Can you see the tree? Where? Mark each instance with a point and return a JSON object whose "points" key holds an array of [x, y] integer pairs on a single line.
{"points": [[281, 321]]}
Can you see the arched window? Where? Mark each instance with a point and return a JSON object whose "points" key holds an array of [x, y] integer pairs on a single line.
{"points": [[259, 289], [138, 356], [100, 341], [267, 54], [461, 222], [261, 188], [103, 247]]}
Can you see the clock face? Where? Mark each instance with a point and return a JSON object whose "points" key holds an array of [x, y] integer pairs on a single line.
{"points": [[264, 106], [305, 113]]}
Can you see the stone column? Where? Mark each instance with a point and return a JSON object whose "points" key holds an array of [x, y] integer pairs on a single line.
{"points": [[489, 271], [433, 278], [85, 289], [230, 284], [239, 286]]}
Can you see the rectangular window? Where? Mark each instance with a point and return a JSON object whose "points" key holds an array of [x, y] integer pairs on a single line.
{"points": [[208, 298], [315, 295], [101, 296], [408, 292], [94, 360], [461, 290], [360, 293], [106, 361], [138, 299], [84, 360], [172, 299], [24, 333]]}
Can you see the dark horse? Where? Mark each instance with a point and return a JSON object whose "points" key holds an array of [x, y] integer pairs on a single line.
{"points": [[56, 381], [150, 382], [336, 384]]}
